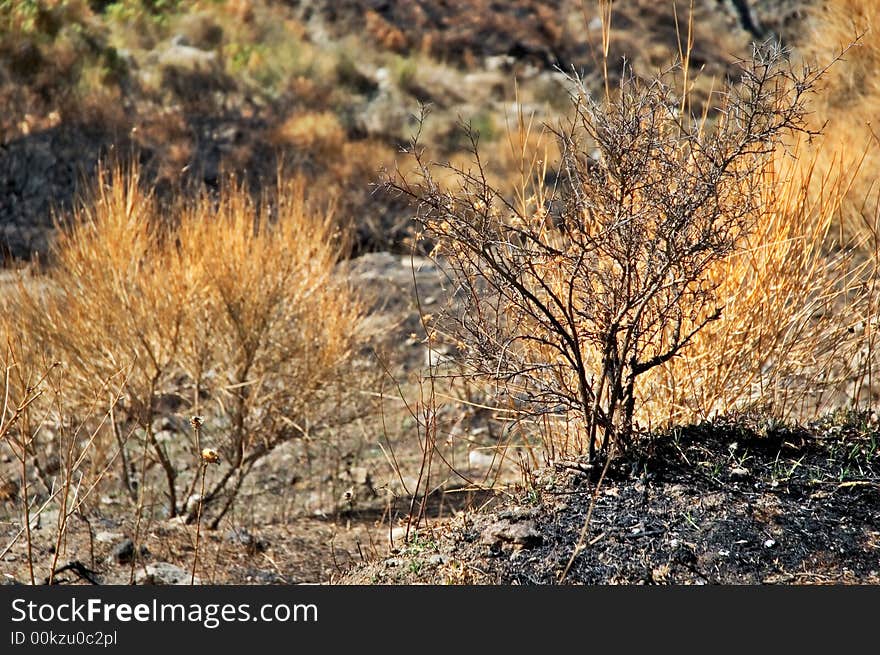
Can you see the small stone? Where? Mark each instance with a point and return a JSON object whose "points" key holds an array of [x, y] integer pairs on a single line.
{"points": [[518, 514], [123, 552], [192, 504], [477, 459], [52, 465], [187, 58], [47, 519], [520, 533], [360, 475], [163, 573], [769, 543], [244, 538], [108, 537], [739, 473], [240, 536], [437, 355], [165, 436]]}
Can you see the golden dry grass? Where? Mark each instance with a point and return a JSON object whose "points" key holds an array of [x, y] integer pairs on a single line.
{"points": [[317, 133], [787, 342], [797, 334], [228, 308], [847, 106]]}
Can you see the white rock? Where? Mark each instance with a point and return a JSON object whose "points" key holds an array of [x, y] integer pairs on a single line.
{"points": [[188, 58], [163, 573], [739, 473], [478, 459], [109, 537]]}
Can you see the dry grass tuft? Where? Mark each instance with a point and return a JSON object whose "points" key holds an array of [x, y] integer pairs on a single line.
{"points": [[227, 308], [847, 106], [316, 133]]}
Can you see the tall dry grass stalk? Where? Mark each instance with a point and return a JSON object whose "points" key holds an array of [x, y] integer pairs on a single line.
{"points": [[229, 308], [847, 105], [789, 338]]}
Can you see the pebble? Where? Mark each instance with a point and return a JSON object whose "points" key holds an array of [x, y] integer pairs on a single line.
{"points": [[163, 573], [244, 538], [518, 514], [359, 475], [108, 537], [123, 552], [739, 473], [478, 459], [192, 504], [520, 533]]}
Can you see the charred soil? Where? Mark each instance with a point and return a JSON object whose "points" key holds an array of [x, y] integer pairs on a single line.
{"points": [[740, 501]]}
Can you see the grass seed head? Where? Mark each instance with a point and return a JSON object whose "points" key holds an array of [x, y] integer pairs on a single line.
{"points": [[210, 456]]}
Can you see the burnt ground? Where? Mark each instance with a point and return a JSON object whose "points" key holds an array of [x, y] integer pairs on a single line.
{"points": [[729, 502]]}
